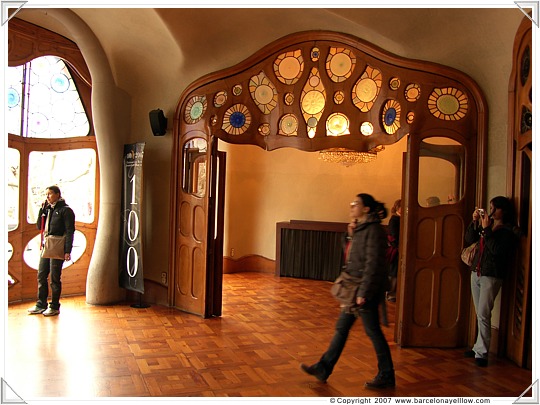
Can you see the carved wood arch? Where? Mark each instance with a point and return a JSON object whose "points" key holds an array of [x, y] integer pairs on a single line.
{"points": [[429, 82]]}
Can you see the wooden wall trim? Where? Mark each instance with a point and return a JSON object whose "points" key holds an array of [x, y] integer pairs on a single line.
{"points": [[255, 263]]}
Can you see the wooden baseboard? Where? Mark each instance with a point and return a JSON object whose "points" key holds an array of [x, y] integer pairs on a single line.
{"points": [[253, 263]]}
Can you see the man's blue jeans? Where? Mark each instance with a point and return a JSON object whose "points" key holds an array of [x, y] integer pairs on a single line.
{"points": [[370, 318], [52, 267]]}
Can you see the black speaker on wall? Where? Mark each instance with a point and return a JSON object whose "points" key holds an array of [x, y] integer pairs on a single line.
{"points": [[158, 122]]}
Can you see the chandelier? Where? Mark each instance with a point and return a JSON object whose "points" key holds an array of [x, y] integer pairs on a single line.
{"points": [[348, 157]]}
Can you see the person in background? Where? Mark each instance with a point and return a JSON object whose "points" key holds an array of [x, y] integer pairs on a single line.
{"points": [[433, 201], [366, 261], [496, 234], [55, 218], [392, 253]]}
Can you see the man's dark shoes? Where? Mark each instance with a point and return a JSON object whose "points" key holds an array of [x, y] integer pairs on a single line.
{"points": [[312, 370], [481, 362], [381, 381], [470, 354]]}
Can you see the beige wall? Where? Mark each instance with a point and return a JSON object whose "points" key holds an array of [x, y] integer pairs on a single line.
{"points": [[263, 188]]}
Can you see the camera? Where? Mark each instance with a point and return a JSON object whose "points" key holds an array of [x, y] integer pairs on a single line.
{"points": [[481, 212]]}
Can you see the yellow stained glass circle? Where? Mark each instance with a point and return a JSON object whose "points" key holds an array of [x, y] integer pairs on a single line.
{"points": [[394, 83], [340, 64], [288, 67], [412, 92], [237, 90], [366, 128], [220, 98], [288, 125], [410, 117], [288, 98], [313, 102], [337, 124], [264, 129], [264, 94], [448, 103], [339, 97], [367, 88]]}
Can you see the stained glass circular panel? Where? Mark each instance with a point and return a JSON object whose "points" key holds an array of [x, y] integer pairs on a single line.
{"points": [[337, 124], [236, 119], [220, 98], [366, 128], [60, 83], [391, 116], [448, 104], [313, 102], [412, 92], [288, 125], [195, 109]]}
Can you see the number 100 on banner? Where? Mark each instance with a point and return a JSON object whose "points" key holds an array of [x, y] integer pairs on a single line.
{"points": [[131, 272]]}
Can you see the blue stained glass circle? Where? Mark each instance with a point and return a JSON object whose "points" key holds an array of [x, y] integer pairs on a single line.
{"points": [[390, 116], [60, 83], [237, 119], [13, 97]]}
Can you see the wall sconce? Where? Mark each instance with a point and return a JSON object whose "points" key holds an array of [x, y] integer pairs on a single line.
{"points": [[158, 122]]}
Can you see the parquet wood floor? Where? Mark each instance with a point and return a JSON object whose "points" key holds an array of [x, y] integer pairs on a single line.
{"points": [[269, 326]]}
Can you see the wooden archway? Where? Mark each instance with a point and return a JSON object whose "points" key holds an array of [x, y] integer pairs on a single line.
{"points": [[317, 91]]}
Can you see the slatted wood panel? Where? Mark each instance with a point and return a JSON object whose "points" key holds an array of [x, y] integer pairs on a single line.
{"points": [[269, 325]]}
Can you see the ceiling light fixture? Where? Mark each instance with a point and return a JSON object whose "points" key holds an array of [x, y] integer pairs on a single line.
{"points": [[348, 157]]}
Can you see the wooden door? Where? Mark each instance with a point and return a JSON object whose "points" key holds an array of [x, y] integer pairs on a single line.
{"points": [[199, 237], [434, 284], [517, 296]]}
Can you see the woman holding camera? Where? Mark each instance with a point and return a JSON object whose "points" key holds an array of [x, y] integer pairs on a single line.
{"points": [[497, 244]]}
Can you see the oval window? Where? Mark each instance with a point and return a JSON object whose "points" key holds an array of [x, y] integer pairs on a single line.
{"points": [[32, 250]]}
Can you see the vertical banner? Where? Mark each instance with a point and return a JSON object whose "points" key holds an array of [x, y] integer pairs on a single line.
{"points": [[131, 271]]}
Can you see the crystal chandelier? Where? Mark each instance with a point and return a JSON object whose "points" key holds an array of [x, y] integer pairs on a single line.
{"points": [[348, 157]]}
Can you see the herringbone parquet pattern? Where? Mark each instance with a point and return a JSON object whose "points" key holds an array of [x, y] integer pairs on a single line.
{"points": [[269, 326]]}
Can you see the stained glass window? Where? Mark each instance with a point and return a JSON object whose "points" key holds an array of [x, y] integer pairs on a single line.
{"points": [[448, 104], [263, 92], [44, 93], [236, 119], [412, 92], [288, 125], [340, 64], [195, 109], [312, 101], [367, 88], [337, 124], [289, 66], [391, 116]]}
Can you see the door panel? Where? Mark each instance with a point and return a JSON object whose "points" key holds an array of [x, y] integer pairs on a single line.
{"points": [[435, 292], [198, 263], [190, 265], [516, 300]]}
